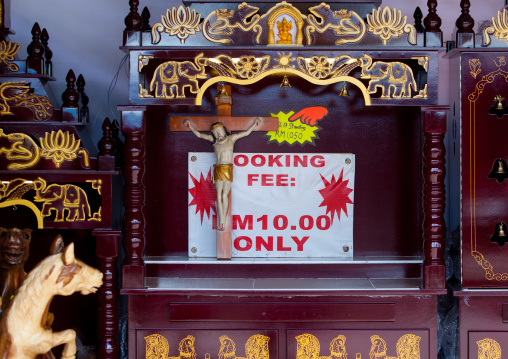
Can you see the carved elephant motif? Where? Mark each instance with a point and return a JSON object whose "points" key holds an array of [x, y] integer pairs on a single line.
{"points": [[387, 75], [61, 198], [178, 75]]}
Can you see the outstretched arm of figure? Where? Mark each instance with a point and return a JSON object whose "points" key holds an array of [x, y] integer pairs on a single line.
{"points": [[198, 134], [247, 132]]}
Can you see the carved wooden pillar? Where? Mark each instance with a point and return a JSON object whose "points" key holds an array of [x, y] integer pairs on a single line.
{"points": [[433, 35], [465, 23], [434, 127], [35, 50], [133, 128], [107, 255], [133, 21]]}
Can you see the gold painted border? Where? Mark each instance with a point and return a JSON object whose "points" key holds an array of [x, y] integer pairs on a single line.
{"points": [[24, 202], [473, 97], [333, 80]]}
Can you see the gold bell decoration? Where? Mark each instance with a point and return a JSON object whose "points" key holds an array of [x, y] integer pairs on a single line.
{"points": [[223, 98], [499, 107], [285, 82], [500, 234], [499, 170], [343, 91]]}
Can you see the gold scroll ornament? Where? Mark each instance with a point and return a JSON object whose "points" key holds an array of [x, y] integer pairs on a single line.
{"points": [[499, 28]]}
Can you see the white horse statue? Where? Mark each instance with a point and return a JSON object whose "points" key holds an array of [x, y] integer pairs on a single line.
{"points": [[24, 333]]}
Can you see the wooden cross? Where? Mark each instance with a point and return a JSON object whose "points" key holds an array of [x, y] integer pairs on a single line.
{"points": [[223, 101]]}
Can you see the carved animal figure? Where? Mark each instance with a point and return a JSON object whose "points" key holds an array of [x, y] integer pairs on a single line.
{"points": [[178, 75], [346, 24], [488, 349], [223, 22], [24, 334], [18, 94], [62, 197], [256, 347], [387, 75], [20, 148], [14, 251], [338, 348]]}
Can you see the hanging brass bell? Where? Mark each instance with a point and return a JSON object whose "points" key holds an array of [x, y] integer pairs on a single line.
{"points": [[499, 107], [499, 170], [223, 91], [343, 91], [285, 82], [500, 234]]}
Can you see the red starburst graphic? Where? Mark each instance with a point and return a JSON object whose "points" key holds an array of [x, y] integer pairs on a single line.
{"points": [[335, 195], [203, 194]]}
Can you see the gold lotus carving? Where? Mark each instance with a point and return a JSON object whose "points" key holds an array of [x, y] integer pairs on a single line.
{"points": [[387, 23], [61, 147], [181, 22]]}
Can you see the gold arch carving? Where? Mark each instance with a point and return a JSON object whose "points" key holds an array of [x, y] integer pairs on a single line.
{"points": [[333, 80], [24, 202], [292, 12]]}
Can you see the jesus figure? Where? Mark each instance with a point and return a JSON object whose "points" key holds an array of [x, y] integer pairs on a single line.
{"points": [[223, 145]]}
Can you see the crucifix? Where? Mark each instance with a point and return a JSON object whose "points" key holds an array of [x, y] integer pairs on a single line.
{"points": [[223, 144]]}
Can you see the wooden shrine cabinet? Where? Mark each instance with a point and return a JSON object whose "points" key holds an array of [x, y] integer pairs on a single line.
{"points": [[366, 90], [478, 73], [51, 185]]}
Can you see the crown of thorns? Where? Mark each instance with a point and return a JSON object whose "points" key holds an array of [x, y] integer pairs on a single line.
{"points": [[215, 125]]}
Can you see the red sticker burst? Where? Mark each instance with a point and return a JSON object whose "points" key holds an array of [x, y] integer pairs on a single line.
{"points": [[335, 195], [203, 194]]}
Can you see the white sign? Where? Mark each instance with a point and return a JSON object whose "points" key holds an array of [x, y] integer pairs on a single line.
{"points": [[283, 205]]}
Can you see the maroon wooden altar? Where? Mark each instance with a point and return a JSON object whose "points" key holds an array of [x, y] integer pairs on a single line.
{"points": [[288, 307], [51, 184], [478, 75]]}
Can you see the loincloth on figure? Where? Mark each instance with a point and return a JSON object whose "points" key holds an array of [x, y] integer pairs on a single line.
{"points": [[222, 173]]}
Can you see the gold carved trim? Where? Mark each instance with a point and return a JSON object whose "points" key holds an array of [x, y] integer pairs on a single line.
{"points": [[423, 61], [181, 22], [387, 23], [499, 28], [490, 273], [333, 80], [24, 202], [143, 61], [7, 52], [346, 24]]}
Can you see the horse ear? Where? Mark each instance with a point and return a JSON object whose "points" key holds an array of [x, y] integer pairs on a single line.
{"points": [[57, 246], [68, 255]]}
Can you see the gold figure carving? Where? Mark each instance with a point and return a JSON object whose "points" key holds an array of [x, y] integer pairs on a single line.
{"points": [[488, 349], [474, 66], [408, 347], [157, 347], [280, 10], [256, 347], [17, 94], [346, 24], [61, 198], [25, 333], [181, 22], [387, 75], [220, 24], [308, 347], [387, 24], [499, 28], [7, 52], [178, 75], [20, 148], [61, 147], [284, 35]]}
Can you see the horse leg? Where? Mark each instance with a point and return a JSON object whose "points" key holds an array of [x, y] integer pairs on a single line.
{"points": [[67, 337]]}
